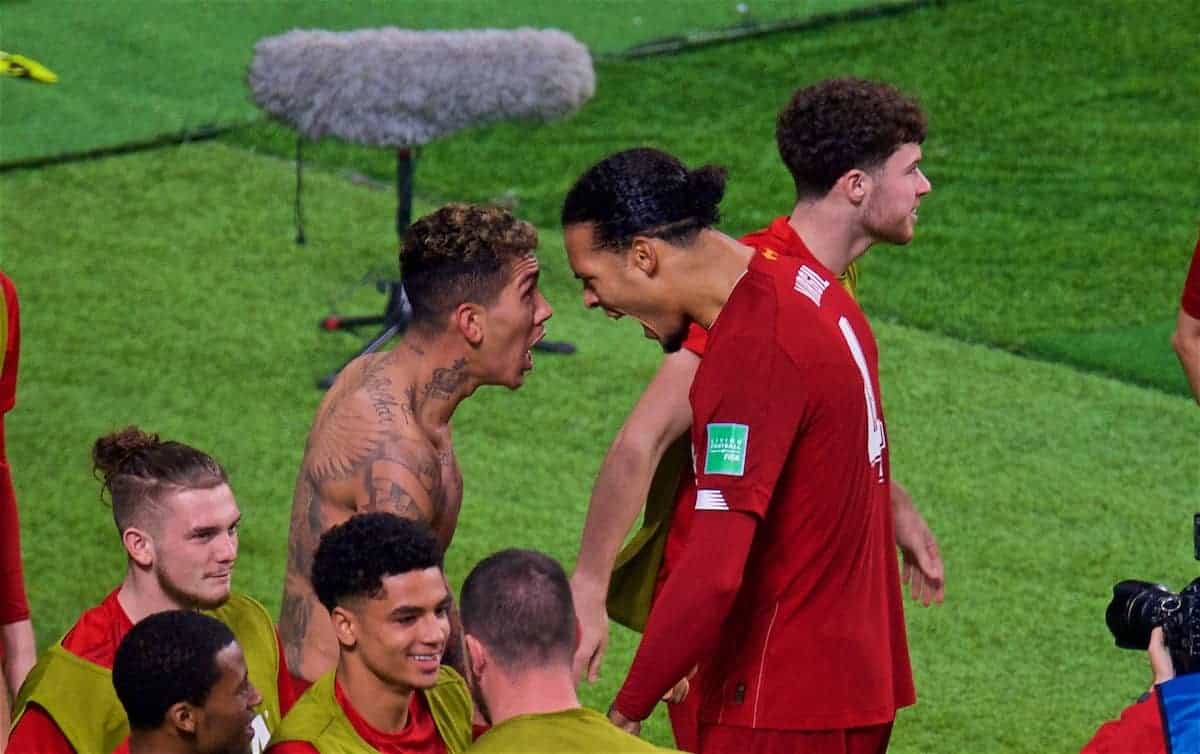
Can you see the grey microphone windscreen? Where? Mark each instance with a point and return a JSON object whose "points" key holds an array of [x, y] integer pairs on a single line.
{"points": [[398, 87]]}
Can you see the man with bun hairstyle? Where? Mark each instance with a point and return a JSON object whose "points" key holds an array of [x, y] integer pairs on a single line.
{"points": [[380, 578], [790, 556], [647, 462], [1186, 338], [381, 437], [183, 682], [178, 522], [520, 632]]}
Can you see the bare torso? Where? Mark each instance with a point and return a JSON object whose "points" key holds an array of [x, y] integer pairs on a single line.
{"points": [[366, 451]]}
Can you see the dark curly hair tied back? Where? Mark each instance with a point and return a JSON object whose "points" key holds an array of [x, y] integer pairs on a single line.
{"points": [[645, 192]]}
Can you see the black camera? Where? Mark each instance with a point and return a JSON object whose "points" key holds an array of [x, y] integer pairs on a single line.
{"points": [[1138, 607]]}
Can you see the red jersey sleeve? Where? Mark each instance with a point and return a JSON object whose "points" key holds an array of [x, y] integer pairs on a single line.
{"points": [[36, 733], [11, 344], [748, 403], [1190, 303], [14, 603], [1139, 729]]}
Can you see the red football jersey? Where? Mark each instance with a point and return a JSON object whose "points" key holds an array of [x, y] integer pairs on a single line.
{"points": [[779, 237], [419, 735], [1190, 302], [95, 637], [788, 426]]}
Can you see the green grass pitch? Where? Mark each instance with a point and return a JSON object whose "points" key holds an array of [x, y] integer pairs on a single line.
{"points": [[1034, 408]]}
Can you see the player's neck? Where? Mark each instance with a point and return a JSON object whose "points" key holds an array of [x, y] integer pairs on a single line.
{"points": [[535, 692], [831, 232], [141, 595], [437, 375], [156, 742], [382, 705], [712, 267]]}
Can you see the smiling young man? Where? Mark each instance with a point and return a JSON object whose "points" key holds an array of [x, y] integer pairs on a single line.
{"points": [[183, 682], [381, 438], [790, 556], [178, 521], [380, 577]]}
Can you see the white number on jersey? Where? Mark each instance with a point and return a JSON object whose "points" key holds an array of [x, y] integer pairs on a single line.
{"points": [[876, 437]]}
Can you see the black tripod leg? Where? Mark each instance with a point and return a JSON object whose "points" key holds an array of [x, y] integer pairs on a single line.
{"points": [[555, 346]]}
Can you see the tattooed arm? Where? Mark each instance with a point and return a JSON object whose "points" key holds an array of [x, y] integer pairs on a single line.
{"points": [[403, 479]]}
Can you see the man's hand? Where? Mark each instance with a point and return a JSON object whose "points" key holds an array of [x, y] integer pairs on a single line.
{"points": [[679, 691], [1160, 658], [592, 614], [632, 727], [922, 571]]}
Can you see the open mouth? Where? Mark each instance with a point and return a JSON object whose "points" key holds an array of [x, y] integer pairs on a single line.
{"points": [[426, 663], [528, 360]]}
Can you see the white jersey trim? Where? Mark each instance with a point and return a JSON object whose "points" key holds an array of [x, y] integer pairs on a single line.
{"points": [[710, 500]]}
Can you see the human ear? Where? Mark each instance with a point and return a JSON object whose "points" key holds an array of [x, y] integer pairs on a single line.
{"points": [[644, 255], [477, 656], [183, 716], [468, 318], [139, 545], [345, 627], [854, 185]]}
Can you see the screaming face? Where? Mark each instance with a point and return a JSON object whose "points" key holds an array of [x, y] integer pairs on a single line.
{"points": [[515, 324], [613, 282]]}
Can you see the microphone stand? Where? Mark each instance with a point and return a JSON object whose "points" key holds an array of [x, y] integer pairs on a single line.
{"points": [[397, 312]]}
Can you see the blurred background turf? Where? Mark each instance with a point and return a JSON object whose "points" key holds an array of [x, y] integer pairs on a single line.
{"points": [[133, 69], [164, 288]]}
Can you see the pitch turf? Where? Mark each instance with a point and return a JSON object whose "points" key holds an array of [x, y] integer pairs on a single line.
{"points": [[164, 288], [139, 68], [176, 299], [1062, 151]]}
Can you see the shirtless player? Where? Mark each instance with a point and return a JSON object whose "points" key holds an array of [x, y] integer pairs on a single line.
{"points": [[381, 437]]}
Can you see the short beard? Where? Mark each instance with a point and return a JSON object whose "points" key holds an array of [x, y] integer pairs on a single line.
{"points": [[189, 601]]}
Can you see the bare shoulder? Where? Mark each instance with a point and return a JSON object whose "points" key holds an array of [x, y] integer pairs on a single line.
{"points": [[361, 412]]}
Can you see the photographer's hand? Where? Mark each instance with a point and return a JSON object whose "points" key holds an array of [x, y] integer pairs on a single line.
{"points": [[1160, 659]]}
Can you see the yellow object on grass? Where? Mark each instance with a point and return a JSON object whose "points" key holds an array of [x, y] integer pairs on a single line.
{"points": [[20, 66]]}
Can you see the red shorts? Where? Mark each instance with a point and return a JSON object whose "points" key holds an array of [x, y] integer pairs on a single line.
{"points": [[727, 739]]}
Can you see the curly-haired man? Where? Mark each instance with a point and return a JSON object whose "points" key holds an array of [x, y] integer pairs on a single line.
{"points": [[380, 577], [381, 437]]}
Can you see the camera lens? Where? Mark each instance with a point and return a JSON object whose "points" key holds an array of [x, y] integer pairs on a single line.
{"points": [[1136, 609]]}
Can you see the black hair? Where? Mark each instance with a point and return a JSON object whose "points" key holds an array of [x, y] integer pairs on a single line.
{"points": [[167, 658], [646, 192], [354, 557], [518, 604]]}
